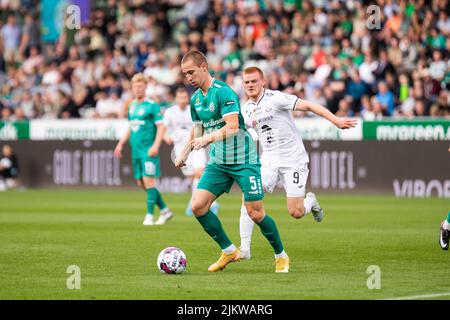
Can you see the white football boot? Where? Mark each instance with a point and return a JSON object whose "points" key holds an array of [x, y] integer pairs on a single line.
{"points": [[164, 216], [148, 221], [316, 210]]}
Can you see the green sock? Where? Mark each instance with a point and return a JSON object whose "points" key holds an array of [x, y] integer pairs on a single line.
{"points": [[159, 200], [270, 231], [448, 217], [213, 227], [151, 199]]}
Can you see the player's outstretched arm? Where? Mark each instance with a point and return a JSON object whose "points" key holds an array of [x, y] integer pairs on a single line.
{"points": [[181, 159], [341, 123], [121, 143], [230, 128], [160, 131]]}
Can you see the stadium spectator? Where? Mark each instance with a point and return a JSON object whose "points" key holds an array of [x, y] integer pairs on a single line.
{"points": [[10, 36], [109, 105], [356, 88], [30, 35], [6, 114], [33, 61], [366, 108], [386, 98]]}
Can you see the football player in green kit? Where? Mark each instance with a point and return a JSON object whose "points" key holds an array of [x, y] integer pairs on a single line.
{"points": [[233, 158], [145, 136]]}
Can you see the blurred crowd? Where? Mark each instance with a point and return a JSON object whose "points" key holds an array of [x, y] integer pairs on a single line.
{"points": [[387, 60]]}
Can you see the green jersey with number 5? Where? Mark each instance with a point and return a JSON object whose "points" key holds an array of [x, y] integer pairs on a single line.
{"points": [[210, 110]]}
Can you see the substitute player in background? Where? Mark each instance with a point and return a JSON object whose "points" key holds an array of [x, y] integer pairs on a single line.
{"points": [[178, 123], [284, 157], [145, 134], [216, 106]]}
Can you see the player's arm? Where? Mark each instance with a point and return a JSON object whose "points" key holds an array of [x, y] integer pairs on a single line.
{"points": [[180, 161], [160, 130], [121, 143], [154, 149], [196, 131], [229, 108], [341, 123], [168, 124], [230, 129]]}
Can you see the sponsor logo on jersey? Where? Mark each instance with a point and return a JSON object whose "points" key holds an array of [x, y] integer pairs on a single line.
{"points": [[213, 123], [268, 118], [211, 107], [136, 124], [141, 112], [197, 101], [269, 94], [229, 103], [290, 96]]}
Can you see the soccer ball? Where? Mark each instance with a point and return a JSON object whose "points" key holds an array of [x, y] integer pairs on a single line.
{"points": [[171, 260]]}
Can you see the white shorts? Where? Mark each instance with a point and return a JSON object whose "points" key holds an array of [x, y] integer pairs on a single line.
{"points": [[196, 160], [293, 178]]}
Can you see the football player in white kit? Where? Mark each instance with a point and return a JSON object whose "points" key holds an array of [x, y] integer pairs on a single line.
{"points": [[284, 157], [178, 122]]}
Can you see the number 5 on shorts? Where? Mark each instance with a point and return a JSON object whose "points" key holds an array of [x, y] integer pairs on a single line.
{"points": [[255, 184]]}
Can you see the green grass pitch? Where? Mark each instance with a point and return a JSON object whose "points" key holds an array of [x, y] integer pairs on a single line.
{"points": [[42, 232]]}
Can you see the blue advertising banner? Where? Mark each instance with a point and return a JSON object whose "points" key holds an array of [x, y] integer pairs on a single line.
{"points": [[58, 14], [85, 9]]}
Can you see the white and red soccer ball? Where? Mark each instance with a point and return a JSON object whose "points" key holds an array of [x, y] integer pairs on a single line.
{"points": [[171, 260]]}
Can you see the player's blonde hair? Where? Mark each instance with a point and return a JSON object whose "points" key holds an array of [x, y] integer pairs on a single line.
{"points": [[139, 77], [253, 69], [196, 56]]}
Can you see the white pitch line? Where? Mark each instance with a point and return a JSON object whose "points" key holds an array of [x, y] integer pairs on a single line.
{"points": [[424, 296]]}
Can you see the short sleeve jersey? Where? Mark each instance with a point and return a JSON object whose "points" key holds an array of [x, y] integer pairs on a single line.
{"points": [[272, 119], [143, 118], [210, 110]]}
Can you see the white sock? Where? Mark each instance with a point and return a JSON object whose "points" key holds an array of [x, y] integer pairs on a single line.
{"points": [[3, 186], [193, 188], [229, 249], [308, 203], [149, 215], [281, 255], [246, 229], [446, 225]]}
